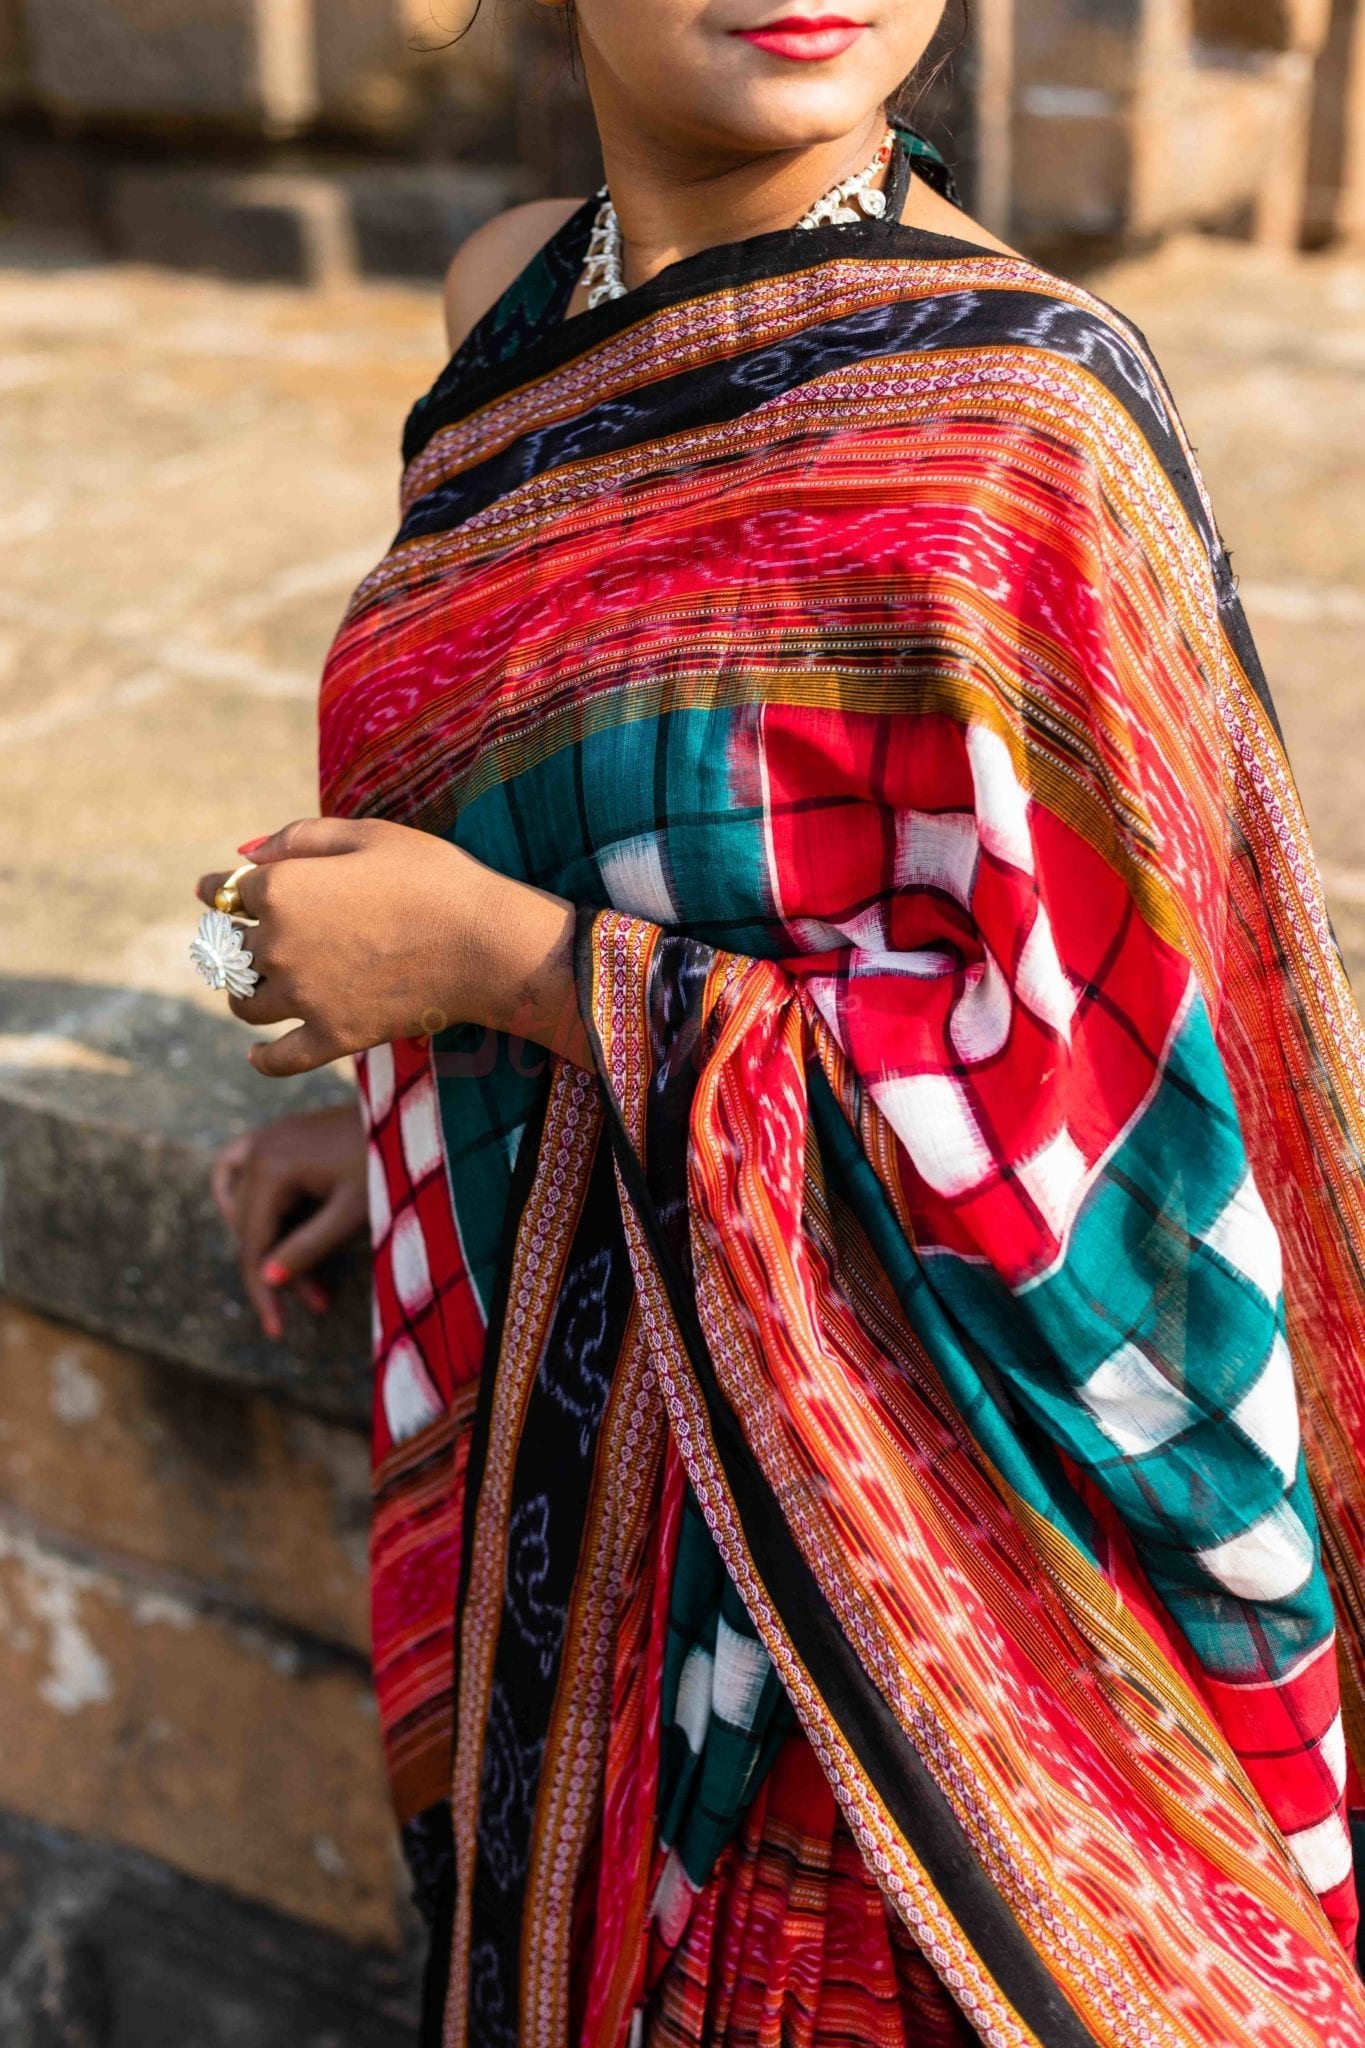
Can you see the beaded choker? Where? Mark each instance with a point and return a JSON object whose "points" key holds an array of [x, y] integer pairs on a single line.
{"points": [[853, 200]]}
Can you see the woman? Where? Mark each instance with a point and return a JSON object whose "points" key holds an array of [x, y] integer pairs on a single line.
{"points": [[864, 1115]]}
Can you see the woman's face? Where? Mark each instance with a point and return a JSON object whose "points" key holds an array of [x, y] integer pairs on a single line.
{"points": [[749, 74]]}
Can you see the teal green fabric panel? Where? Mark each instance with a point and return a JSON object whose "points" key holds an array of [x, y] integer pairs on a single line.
{"points": [[1162, 1322]]}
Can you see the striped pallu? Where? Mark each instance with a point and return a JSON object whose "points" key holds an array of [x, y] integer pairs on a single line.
{"points": [[970, 1169]]}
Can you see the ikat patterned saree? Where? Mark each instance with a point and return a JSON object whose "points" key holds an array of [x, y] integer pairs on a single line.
{"points": [[850, 1563]]}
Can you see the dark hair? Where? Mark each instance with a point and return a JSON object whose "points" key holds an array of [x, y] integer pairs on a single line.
{"points": [[570, 32], [912, 89]]}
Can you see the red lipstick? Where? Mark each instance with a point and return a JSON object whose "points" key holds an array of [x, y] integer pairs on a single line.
{"points": [[805, 38]]}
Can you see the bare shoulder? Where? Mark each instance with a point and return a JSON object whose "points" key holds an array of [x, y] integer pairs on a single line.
{"points": [[486, 262], [925, 208]]}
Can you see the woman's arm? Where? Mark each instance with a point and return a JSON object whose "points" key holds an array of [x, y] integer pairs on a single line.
{"points": [[368, 932]]}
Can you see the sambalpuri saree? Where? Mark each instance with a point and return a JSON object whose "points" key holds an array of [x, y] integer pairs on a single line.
{"points": [[847, 1566]]}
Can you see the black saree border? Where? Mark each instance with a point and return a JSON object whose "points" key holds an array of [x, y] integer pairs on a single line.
{"points": [[569, 1141], [549, 1526], [893, 1766], [519, 1193], [725, 266], [436, 1979], [1016, 315], [722, 263]]}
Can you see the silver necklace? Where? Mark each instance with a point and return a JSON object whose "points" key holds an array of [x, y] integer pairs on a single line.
{"points": [[853, 200]]}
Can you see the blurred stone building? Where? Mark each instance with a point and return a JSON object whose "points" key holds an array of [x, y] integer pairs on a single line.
{"points": [[301, 137]]}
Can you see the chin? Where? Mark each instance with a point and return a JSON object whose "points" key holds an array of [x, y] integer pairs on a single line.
{"points": [[789, 113]]}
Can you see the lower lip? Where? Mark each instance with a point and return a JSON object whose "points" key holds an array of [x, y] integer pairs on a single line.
{"points": [[804, 46]]}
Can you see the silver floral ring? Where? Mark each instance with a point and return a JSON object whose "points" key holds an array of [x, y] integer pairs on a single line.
{"points": [[217, 951]]}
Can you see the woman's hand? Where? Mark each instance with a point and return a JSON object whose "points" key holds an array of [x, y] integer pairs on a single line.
{"points": [[369, 931], [263, 1178]]}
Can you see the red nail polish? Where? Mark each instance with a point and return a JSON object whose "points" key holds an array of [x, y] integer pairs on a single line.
{"points": [[249, 846], [314, 1297], [274, 1274]]}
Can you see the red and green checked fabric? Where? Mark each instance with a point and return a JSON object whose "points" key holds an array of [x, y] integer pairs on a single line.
{"points": [[969, 1177]]}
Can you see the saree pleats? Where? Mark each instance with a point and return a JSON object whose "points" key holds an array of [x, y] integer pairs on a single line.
{"points": [[869, 1532], [1057, 1732], [791, 1945]]}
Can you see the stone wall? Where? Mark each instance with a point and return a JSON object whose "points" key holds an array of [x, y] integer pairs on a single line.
{"points": [[194, 1823], [227, 61], [1334, 207], [194, 1819], [1135, 117], [183, 1627], [365, 68]]}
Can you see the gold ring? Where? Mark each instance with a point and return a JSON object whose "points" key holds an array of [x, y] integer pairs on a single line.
{"points": [[228, 898]]}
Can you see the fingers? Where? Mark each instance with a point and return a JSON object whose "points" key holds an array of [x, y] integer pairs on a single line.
{"points": [[232, 1163], [311, 1292], [267, 1004], [304, 839], [291, 1191], [339, 1218], [264, 1198], [305, 836], [300, 1051], [226, 1173], [308, 839], [251, 891]]}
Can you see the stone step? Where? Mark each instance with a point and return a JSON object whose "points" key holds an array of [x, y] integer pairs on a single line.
{"points": [[230, 62], [276, 223], [102, 1947], [136, 1092], [227, 1499], [304, 226]]}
